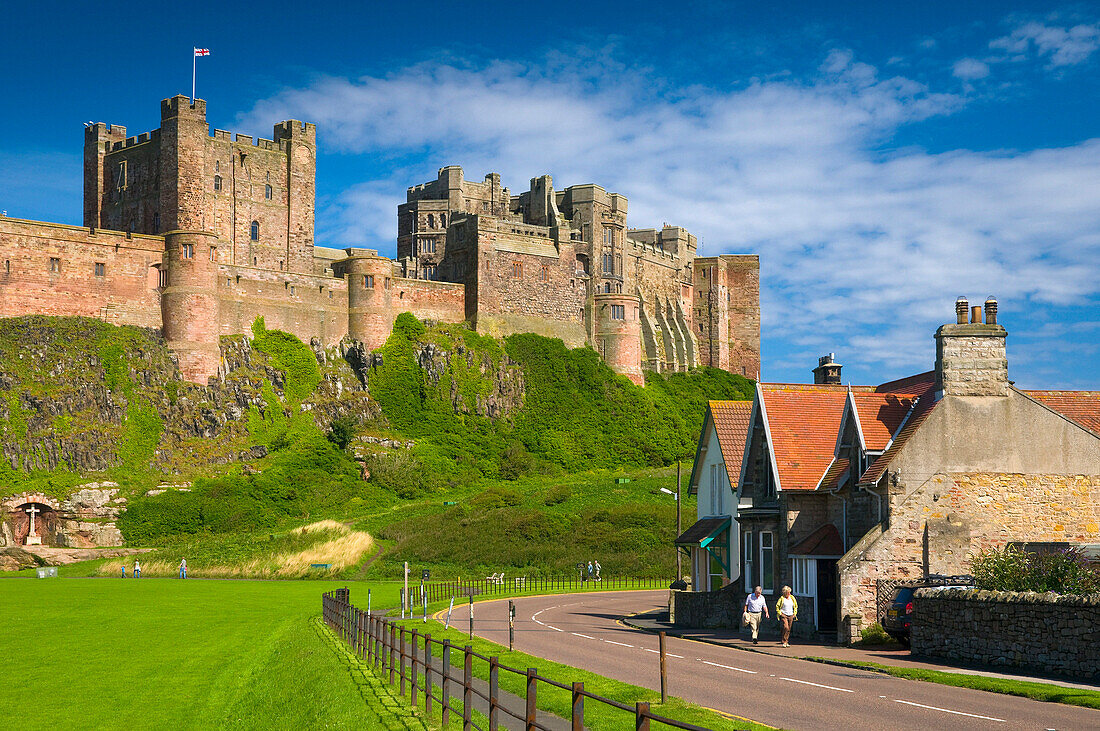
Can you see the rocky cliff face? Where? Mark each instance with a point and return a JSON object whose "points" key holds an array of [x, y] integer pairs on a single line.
{"points": [[502, 386], [86, 396]]}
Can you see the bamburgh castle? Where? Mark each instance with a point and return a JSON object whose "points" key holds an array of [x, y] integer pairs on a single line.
{"points": [[198, 234]]}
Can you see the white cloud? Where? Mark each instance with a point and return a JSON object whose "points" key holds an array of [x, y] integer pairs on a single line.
{"points": [[970, 69], [1059, 46], [861, 251]]}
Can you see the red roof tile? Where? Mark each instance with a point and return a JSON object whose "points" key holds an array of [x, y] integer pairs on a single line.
{"points": [[881, 414], [835, 472], [731, 423], [1081, 407], [803, 422], [878, 467]]}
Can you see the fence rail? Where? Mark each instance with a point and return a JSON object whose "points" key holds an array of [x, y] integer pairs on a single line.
{"points": [[404, 656], [439, 591]]}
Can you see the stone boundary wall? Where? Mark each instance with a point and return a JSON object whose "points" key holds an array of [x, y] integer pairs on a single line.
{"points": [[722, 609], [1049, 633]]}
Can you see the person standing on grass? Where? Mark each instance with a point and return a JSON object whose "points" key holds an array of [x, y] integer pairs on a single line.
{"points": [[786, 608], [124, 571], [183, 569], [598, 570], [755, 605], [137, 569]]}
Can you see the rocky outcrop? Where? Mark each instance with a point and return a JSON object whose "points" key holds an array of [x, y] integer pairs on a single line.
{"points": [[503, 385]]}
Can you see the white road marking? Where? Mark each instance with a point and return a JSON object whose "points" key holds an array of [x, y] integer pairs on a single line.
{"points": [[613, 642], [948, 710], [649, 650], [671, 655], [552, 627], [578, 634], [727, 667], [819, 685]]}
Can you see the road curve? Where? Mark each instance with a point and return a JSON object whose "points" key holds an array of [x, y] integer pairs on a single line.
{"points": [[582, 630]]}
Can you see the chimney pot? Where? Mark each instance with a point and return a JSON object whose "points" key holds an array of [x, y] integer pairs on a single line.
{"points": [[961, 307], [976, 315], [991, 310]]}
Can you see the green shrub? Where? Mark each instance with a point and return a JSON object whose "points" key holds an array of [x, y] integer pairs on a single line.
{"points": [[1010, 569], [342, 431], [516, 462], [290, 355], [495, 498], [875, 635], [558, 494]]}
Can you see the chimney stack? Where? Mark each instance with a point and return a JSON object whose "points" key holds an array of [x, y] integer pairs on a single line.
{"points": [[971, 358], [827, 371]]}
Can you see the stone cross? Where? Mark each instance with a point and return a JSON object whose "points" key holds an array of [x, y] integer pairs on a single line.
{"points": [[32, 537]]}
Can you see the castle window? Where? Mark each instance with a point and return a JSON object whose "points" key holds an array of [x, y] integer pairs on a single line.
{"points": [[7, 266], [280, 265], [619, 265], [162, 278], [609, 236], [267, 192], [386, 283], [267, 176], [431, 221], [607, 288], [443, 220], [429, 271], [213, 253], [544, 273], [517, 270], [217, 165], [55, 265], [228, 281], [368, 281], [254, 261], [619, 288], [187, 251], [100, 269], [292, 290], [254, 231], [217, 183], [608, 264], [122, 177], [618, 312]]}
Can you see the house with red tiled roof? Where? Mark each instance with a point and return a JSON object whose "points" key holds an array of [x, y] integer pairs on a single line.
{"points": [[842, 491]]}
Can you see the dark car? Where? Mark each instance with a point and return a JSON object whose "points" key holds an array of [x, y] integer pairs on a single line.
{"points": [[899, 615]]}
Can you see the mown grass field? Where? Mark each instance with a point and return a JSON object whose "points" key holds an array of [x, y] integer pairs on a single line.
{"points": [[165, 653]]}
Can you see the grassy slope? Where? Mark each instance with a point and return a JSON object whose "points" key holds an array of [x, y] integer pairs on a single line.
{"points": [[170, 653]]}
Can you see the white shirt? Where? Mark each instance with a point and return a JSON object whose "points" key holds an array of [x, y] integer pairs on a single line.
{"points": [[786, 606], [756, 603]]}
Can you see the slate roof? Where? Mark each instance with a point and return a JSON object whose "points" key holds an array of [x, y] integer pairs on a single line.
{"points": [[825, 541], [1080, 407], [701, 530]]}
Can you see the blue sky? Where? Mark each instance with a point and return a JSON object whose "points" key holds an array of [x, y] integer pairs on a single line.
{"points": [[882, 158]]}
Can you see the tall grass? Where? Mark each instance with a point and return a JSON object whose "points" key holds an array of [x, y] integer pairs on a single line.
{"points": [[324, 542]]}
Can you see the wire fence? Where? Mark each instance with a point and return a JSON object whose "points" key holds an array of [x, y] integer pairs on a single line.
{"points": [[404, 656]]}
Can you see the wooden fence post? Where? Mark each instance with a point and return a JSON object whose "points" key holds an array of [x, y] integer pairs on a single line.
{"points": [[641, 716], [532, 694], [412, 673], [664, 675], [393, 650], [494, 671], [578, 707], [401, 655], [428, 675], [467, 687], [446, 689]]}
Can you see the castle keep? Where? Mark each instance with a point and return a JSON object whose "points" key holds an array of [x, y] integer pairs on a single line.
{"points": [[198, 234]]}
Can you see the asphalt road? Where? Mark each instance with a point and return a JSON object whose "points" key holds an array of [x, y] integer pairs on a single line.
{"points": [[582, 630]]}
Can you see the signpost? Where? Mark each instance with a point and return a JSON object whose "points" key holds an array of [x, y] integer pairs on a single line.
{"points": [[424, 576], [511, 625], [449, 610]]}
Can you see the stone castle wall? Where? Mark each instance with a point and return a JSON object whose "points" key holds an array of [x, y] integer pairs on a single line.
{"points": [[51, 269], [1047, 633]]}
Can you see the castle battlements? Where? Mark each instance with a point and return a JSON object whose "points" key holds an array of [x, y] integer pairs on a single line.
{"points": [[189, 230]]}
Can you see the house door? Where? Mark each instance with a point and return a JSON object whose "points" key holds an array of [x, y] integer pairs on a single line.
{"points": [[826, 595]]}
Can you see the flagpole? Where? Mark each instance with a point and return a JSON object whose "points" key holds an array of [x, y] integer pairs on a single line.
{"points": [[193, 57]]}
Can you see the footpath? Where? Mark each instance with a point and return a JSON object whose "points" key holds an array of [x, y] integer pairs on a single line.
{"points": [[890, 655]]}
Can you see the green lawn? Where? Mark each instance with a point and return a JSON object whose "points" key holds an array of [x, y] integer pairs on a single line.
{"points": [[160, 653]]}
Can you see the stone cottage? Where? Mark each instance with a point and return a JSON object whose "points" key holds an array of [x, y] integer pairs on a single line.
{"points": [[841, 489]]}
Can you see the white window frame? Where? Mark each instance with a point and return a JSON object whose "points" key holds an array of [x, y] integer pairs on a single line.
{"points": [[746, 559], [804, 576], [769, 576]]}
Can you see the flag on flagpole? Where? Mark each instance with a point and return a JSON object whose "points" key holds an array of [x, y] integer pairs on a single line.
{"points": [[202, 51], [198, 52]]}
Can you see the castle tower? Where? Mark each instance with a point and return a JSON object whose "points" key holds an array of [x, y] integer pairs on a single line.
{"points": [[98, 139], [619, 334], [182, 163], [300, 142], [189, 302], [370, 316]]}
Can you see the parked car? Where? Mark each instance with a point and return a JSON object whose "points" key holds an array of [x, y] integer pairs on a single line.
{"points": [[899, 615]]}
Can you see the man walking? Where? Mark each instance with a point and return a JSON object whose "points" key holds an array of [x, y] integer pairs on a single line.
{"points": [[755, 605], [183, 569], [137, 569], [590, 571], [598, 570]]}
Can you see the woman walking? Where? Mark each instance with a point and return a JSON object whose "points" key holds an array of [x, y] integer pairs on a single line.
{"points": [[786, 608]]}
